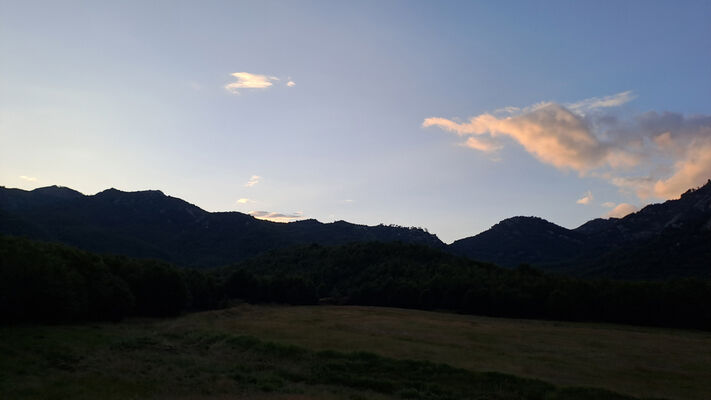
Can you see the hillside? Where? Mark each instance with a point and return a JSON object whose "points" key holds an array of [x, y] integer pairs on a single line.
{"points": [[660, 241], [671, 239], [48, 282], [520, 240], [151, 224]]}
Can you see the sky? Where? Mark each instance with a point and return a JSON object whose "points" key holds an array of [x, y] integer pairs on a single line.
{"points": [[448, 115]]}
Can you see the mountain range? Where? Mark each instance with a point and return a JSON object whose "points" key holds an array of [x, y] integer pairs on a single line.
{"points": [[671, 239], [151, 224]]}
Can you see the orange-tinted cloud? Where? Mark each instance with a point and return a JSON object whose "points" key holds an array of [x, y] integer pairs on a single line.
{"points": [[621, 210], [691, 171], [552, 133], [277, 217], [653, 154], [482, 144], [586, 199]]}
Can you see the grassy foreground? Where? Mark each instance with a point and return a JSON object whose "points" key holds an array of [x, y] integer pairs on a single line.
{"points": [[638, 361], [318, 352]]}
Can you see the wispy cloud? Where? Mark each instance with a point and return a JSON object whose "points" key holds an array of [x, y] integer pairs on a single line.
{"points": [[277, 217], [246, 80], [586, 199], [28, 178], [594, 103], [483, 144], [255, 179], [652, 155], [291, 84], [245, 201], [621, 210], [608, 204]]}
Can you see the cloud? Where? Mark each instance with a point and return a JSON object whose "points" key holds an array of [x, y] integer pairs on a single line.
{"points": [[594, 103], [482, 144], [28, 178], [255, 179], [291, 84], [653, 155], [585, 200], [621, 210], [244, 201], [691, 171], [608, 204], [277, 217], [507, 110], [551, 133], [245, 80]]}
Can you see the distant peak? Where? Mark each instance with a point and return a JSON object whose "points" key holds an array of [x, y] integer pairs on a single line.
{"points": [[523, 220], [306, 221], [58, 191], [595, 225], [114, 191]]}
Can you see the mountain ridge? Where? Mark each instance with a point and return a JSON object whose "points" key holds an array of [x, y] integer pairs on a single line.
{"points": [[151, 224], [658, 241], [603, 247]]}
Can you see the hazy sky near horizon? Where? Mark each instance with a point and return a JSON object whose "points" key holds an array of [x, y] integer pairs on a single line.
{"points": [[444, 115]]}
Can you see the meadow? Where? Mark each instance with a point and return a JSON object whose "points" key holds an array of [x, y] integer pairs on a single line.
{"points": [[640, 361], [349, 352]]}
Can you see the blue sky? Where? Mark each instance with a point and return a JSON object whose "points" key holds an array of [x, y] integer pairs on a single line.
{"points": [[444, 115]]}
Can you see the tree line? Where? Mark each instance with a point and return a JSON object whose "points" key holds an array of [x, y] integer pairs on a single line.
{"points": [[414, 276], [54, 283], [50, 282]]}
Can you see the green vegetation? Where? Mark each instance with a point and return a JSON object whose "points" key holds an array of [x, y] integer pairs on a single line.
{"points": [[196, 357], [55, 283], [51, 282], [414, 276]]}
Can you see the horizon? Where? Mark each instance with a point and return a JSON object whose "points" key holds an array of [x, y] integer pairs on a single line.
{"points": [[450, 116], [426, 229]]}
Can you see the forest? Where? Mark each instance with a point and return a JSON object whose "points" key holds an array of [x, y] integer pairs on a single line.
{"points": [[47, 282]]}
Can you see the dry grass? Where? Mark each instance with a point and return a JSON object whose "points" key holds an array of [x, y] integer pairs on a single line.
{"points": [[210, 356], [637, 361]]}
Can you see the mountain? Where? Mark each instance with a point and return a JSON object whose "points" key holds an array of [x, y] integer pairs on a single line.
{"points": [[151, 224], [671, 239], [518, 240], [661, 240]]}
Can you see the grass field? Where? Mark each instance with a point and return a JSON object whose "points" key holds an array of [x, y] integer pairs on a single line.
{"points": [[317, 352]]}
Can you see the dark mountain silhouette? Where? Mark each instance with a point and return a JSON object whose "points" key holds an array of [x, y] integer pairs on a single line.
{"points": [[151, 224], [670, 239], [518, 240]]}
